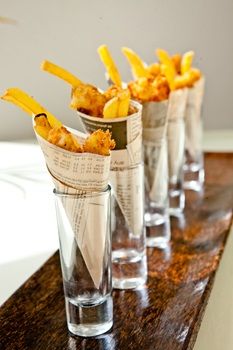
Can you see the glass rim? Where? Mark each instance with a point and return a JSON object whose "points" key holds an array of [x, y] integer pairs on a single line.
{"points": [[83, 194]]}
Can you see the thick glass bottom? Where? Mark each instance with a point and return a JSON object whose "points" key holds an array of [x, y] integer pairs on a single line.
{"points": [[194, 177], [89, 320], [176, 202], [129, 269], [158, 231]]}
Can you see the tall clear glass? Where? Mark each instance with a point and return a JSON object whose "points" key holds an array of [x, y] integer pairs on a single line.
{"points": [[154, 118], [194, 165], [157, 218], [83, 222], [176, 144], [129, 267]]}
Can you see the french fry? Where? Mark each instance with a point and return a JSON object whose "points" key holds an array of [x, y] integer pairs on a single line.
{"points": [[167, 67], [186, 62], [124, 101], [61, 73], [111, 108], [137, 66], [109, 64], [118, 106], [164, 57], [28, 104], [42, 125], [170, 75]]}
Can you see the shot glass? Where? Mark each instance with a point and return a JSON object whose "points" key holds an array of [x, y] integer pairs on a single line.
{"points": [[157, 217], [194, 165], [157, 221], [176, 147], [83, 222], [176, 134], [129, 264]]}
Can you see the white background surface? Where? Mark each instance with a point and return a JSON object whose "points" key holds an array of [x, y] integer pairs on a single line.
{"points": [[69, 32]]}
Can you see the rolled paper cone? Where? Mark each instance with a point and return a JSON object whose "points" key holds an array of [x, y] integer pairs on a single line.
{"points": [[81, 216], [79, 174], [193, 123], [127, 133], [155, 119], [176, 131], [84, 171], [129, 197]]}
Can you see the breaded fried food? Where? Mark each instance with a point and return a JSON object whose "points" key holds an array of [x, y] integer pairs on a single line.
{"points": [[99, 142], [87, 99], [154, 69], [187, 79], [112, 91], [145, 89], [61, 137]]}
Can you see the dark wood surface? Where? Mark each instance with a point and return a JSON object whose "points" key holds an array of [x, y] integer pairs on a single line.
{"points": [[164, 314]]}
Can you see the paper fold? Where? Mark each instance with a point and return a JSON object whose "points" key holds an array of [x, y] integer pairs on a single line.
{"points": [[127, 133], [80, 174], [193, 122], [155, 118], [176, 132]]}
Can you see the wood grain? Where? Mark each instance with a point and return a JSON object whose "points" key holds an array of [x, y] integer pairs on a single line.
{"points": [[164, 314]]}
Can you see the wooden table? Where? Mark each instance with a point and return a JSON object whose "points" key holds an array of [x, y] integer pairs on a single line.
{"points": [[164, 314]]}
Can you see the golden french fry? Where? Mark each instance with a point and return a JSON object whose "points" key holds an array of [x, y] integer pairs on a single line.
{"points": [[61, 73], [167, 66], [138, 68], [109, 64], [42, 131], [28, 104], [111, 108], [118, 106], [170, 75], [186, 62], [124, 101], [164, 57], [42, 125]]}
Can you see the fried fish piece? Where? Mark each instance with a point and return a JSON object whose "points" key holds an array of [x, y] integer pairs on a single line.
{"points": [[187, 79], [112, 91], [88, 99], [99, 142], [61, 137], [147, 89], [154, 69]]}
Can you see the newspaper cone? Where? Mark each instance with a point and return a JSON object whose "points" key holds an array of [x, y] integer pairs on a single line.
{"points": [[128, 189], [193, 123], [176, 131], [127, 133], [78, 174], [154, 118]]}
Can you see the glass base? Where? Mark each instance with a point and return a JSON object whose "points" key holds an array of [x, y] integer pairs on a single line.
{"points": [[89, 320], [194, 177], [176, 202], [158, 231], [129, 269]]}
